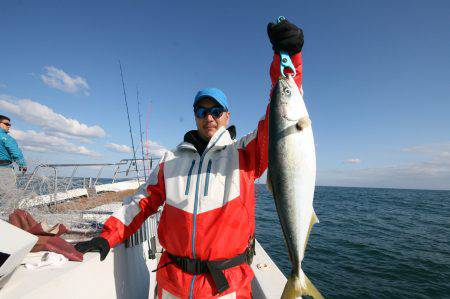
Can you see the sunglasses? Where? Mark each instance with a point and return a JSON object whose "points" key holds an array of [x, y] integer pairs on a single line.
{"points": [[7, 124], [216, 112]]}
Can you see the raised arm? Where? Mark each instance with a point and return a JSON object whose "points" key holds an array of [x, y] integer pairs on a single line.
{"points": [[275, 69], [254, 146], [286, 37]]}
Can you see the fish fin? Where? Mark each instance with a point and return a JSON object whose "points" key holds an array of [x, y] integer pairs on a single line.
{"points": [[269, 182], [303, 123], [298, 286], [314, 220]]}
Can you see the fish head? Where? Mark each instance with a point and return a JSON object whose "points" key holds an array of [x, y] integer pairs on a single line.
{"points": [[289, 98]]}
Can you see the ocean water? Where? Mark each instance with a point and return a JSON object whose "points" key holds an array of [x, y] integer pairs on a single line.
{"points": [[370, 243]]}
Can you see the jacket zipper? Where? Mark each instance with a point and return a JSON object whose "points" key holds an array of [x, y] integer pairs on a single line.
{"points": [[208, 171], [188, 184], [194, 220]]}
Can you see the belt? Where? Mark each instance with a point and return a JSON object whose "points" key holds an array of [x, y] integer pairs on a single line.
{"points": [[197, 267]]}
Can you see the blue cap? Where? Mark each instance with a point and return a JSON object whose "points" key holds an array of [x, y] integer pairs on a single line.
{"points": [[214, 93]]}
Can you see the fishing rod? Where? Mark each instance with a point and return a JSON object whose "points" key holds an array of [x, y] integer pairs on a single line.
{"points": [[129, 122], [140, 133], [151, 254], [146, 135]]}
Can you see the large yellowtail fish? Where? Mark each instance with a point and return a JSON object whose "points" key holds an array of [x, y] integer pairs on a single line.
{"points": [[291, 178]]}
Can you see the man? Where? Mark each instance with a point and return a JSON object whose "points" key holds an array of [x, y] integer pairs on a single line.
{"points": [[9, 153], [207, 185]]}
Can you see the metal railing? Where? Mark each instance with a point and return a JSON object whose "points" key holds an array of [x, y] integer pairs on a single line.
{"points": [[49, 179], [65, 183], [147, 232]]}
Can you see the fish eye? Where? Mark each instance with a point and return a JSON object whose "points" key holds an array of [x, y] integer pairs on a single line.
{"points": [[287, 91]]}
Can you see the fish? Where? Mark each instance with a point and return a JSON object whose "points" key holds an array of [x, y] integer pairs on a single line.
{"points": [[291, 178]]}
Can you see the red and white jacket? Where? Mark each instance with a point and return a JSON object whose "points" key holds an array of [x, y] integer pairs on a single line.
{"points": [[209, 211]]}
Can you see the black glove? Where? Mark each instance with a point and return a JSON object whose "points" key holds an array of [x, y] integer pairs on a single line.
{"points": [[97, 244], [285, 37]]}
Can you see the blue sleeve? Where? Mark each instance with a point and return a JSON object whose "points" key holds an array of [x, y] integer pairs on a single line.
{"points": [[14, 151]]}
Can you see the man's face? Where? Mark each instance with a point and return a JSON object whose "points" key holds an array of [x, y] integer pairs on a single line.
{"points": [[5, 125], [209, 125]]}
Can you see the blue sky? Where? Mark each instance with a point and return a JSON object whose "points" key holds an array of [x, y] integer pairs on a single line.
{"points": [[376, 79]]}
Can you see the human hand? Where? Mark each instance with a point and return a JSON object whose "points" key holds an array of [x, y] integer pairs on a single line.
{"points": [[285, 37], [97, 244], [23, 169]]}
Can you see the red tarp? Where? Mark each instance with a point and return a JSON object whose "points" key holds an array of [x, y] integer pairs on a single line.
{"points": [[49, 239]]}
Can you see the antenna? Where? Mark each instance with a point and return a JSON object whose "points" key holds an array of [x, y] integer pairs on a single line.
{"points": [[129, 123], [140, 131]]}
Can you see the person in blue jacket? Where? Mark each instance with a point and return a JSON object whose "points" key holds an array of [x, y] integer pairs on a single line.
{"points": [[9, 153]]}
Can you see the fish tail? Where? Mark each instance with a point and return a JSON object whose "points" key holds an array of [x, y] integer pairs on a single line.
{"points": [[298, 286]]}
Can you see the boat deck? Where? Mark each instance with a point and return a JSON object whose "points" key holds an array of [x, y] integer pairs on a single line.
{"points": [[125, 273], [127, 270]]}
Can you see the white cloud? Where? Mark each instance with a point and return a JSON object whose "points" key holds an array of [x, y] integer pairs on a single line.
{"points": [[155, 149], [32, 148], [39, 114], [352, 161], [421, 175], [433, 172], [41, 142], [2, 85], [59, 79], [434, 149], [7, 105], [67, 136], [119, 148]]}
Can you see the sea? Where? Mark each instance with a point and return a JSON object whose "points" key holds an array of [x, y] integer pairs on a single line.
{"points": [[370, 242]]}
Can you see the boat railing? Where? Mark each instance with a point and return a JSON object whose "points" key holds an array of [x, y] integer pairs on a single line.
{"points": [[65, 193], [146, 233], [69, 190], [54, 178]]}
